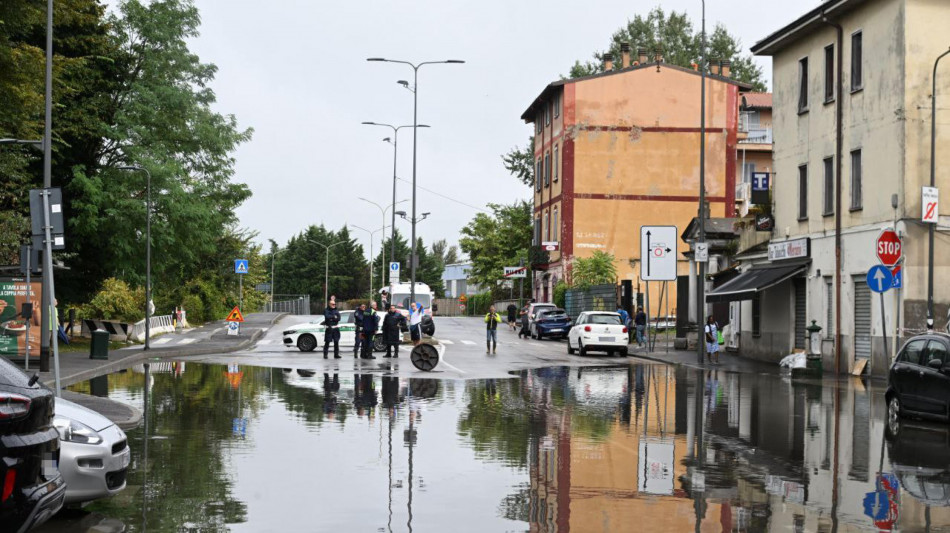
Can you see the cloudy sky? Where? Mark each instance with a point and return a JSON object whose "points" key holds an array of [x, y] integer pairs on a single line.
{"points": [[296, 72]]}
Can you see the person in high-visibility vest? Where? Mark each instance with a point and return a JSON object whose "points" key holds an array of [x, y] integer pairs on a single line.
{"points": [[492, 319]]}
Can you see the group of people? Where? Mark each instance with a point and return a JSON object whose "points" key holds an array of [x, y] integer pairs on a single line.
{"points": [[369, 324]]}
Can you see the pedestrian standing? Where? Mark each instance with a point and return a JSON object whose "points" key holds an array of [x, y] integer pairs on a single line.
{"points": [[525, 331], [640, 323], [384, 301], [512, 316], [331, 331], [415, 321], [711, 332], [392, 331], [492, 319], [357, 339], [370, 326]]}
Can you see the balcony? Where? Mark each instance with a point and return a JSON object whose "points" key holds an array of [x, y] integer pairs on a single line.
{"points": [[756, 135], [743, 192]]}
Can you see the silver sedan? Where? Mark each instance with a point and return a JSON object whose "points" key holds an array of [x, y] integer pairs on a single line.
{"points": [[93, 454]]}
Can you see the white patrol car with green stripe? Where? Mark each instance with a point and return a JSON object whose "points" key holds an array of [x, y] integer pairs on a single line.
{"points": [[309, 335]]}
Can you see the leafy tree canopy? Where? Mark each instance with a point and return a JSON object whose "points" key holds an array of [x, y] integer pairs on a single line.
{"points": [[495, 241], [598, 269]]}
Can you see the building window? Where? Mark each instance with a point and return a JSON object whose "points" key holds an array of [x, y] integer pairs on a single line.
{"points": [[803, 85], [803, 192], [829, 73], [539, 122], [555, 162], [537, 231], [747, 170], [557, 105], [857, 75], [546, 231], [828, 207], [547, 114], [555, 228], [547, 170], [756, 315], [856, 192], [538, 177]]}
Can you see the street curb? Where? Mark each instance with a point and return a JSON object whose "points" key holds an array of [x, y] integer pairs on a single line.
{"points": [[127, 362]]}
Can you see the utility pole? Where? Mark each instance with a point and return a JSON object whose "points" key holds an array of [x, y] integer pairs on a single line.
{"points": [[933, 183], [46, 297], [701, 266]]}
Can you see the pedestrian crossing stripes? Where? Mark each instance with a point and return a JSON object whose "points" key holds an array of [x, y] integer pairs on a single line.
{"points": [[163, 340], [265, 341], [443, 341], [187, 341], [471, 343]]}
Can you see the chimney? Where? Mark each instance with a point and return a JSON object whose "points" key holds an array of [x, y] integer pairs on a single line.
{"points": [[641, 55], [624, 55], [714, 67], [726, 68], [608, 62]]}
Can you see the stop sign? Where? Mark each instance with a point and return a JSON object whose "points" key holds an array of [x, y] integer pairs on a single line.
{"points": [[889, 249]]}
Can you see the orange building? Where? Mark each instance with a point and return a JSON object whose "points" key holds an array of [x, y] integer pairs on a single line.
{"points": [[619, 150]]}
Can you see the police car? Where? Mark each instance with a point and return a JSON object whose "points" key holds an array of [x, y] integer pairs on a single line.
{"points": [[307, 336]]}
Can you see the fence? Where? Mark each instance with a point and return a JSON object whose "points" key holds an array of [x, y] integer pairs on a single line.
{"points": [[447, 307], [295, 304], [594, 298]]}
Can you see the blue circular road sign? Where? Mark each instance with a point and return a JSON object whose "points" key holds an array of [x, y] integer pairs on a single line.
{"points": [[880, 278]]}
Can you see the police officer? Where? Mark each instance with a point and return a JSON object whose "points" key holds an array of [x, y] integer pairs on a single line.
{"points": [[370, 326], [331, 322], [358, 317]]}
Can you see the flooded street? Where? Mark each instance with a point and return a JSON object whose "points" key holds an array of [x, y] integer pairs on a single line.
{"points": [[637, 447]]}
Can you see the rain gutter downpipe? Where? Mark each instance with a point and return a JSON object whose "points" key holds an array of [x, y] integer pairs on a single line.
{"points": [[839, 140]]}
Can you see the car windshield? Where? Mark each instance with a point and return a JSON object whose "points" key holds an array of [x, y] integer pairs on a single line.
{"points": [[402, 300], [613, 320]]}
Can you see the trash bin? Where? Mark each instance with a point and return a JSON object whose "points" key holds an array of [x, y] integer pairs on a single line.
{"points": [[99, 349]]}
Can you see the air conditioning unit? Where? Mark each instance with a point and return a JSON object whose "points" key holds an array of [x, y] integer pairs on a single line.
{"points": [[743, 192]]}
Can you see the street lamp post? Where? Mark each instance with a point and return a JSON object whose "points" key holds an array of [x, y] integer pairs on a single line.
{"points": [[415, 131], [394, 142], [273, 257], [933, 181], [701, 266], [371, 259], [392, 231], [148, 244], [326, 267]]}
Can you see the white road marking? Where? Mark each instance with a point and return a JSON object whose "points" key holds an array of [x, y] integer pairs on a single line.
{"points": [[446, 363], [163, 340], [187, 341], [445, 341], [471, 343], [265, 341]]}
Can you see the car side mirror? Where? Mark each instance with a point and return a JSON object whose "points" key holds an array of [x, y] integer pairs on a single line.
{"points": [[936, 364]]}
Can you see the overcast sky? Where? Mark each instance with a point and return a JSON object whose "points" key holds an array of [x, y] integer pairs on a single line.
{"points": [[296, 72]]}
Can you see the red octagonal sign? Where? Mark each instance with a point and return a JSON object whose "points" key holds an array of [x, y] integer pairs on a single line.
{"points": [[889, 249]]}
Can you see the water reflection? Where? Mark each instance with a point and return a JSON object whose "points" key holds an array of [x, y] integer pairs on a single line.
{"points": [[558, 449]]}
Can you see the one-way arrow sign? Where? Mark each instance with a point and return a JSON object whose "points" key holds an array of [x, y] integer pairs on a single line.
{"points": [[658, 253]]}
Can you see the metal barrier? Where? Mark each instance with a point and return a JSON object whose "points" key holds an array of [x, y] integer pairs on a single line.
{"points": [[294, 304], [448, 307]]}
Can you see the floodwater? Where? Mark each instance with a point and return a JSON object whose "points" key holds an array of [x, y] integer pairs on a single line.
{"points": [[631, 448]]}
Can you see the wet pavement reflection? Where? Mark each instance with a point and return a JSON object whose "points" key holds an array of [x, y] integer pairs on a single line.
{"points": [[628, 448]]}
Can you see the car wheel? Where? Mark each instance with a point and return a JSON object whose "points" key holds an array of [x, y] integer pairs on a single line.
{"points": [[580, 348], [623, 352], [378, 344], [570, 350], [540, 336], [894, 413], [307, 343]]}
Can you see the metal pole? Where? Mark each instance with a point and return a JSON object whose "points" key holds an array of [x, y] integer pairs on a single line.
{"points": [[47, 183], [29, 289], [148, 255], [415, 136], [51, 299], [647, 298], [884, 325], [326, 277], [392, 231], [701, 266], [273, 257], [933, 174], [240, 293]]}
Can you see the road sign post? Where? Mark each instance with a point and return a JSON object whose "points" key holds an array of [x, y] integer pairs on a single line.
{"points": [[658, 253], [515, 272], [393, 272], [240, 268], [880, 280]]}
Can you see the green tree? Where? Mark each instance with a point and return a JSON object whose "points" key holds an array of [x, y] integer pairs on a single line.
{"points": [[430, 266], [519, 162], [680, 43], [445, 253], [300, 269], [495, 241], [597, 269]]}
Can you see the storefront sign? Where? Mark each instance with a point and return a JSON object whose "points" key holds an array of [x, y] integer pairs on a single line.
{"points": [[549, 246], [793, 249]]}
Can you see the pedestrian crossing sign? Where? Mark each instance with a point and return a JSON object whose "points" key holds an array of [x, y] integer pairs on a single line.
{"points": [[235, 315], [240, 266]]}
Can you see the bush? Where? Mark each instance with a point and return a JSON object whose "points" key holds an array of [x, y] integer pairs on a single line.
{"points": [[478, 304], [116, 301], [560, 294]]}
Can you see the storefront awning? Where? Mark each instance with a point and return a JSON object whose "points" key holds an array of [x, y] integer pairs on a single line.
{"points": [[759, 278]]}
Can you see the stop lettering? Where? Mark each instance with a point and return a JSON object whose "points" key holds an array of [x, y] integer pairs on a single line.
{"points": [[889, 250]]}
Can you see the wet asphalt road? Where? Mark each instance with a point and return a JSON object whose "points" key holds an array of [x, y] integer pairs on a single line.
{"points": [[464, 356]]}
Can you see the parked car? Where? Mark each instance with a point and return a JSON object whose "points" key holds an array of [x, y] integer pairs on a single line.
{"points": [[918, 382], [551, 323], [600, 331], [535, 308], [307, 336], [919, 454], [93, 454], [32, 488]]}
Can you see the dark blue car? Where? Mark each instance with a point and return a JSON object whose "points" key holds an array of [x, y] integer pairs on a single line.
{"points": [[551, 323]]}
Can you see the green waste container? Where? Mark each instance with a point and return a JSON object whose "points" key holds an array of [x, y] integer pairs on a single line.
{"points": [[99, 349]]}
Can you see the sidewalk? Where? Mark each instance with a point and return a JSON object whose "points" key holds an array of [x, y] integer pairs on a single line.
{"points": [[728, 361], [211, 338]]}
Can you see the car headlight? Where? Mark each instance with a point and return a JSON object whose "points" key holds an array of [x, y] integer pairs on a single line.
{"points": [[290, 332], [72, 431]]}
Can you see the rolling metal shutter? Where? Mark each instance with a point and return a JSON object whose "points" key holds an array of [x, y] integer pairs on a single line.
{"points": [[862, 318], [799, 285]]}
